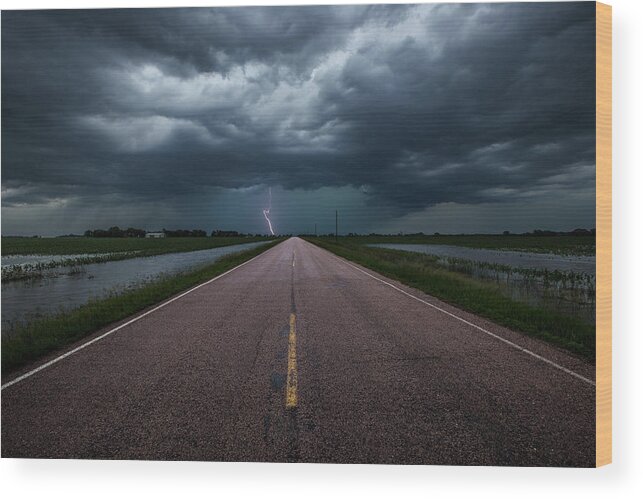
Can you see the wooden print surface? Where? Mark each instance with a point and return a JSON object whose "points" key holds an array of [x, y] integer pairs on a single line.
{"points": [[603, 234], [326, 234]]}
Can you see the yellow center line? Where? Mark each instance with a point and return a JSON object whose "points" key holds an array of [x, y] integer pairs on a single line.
{"points": [[291, 380]]}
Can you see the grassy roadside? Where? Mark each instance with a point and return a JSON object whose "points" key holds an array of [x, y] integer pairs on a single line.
{"points": [[29, 342], [421, 272]]}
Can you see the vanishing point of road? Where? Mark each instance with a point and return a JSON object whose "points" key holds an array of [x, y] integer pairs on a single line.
{"points": [[300, 356]]}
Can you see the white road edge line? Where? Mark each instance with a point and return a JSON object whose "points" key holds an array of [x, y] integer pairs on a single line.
{"points": [[98, 338], [504, 340]]}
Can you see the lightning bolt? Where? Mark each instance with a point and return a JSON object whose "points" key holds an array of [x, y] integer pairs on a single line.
{"points": [[266, 212]]}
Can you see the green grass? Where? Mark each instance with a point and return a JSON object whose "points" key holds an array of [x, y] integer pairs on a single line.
{"points": [[31, 341], [482, 298], [144, 246], [561, 244]]}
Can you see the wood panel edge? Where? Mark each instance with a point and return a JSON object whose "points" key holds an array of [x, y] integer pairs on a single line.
{"points": [[603, 234]]}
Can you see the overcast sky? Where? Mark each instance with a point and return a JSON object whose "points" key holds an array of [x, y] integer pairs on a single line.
{"points": [[446, 117]]}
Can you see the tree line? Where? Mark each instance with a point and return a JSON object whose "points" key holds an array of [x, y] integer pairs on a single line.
{"points": [[133, 232], [115, 232]]}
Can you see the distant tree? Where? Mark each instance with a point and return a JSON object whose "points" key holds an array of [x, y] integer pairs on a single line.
{"points": [[115, 232], [506, 233], [132, 232], [225, 233], [185, 233]]}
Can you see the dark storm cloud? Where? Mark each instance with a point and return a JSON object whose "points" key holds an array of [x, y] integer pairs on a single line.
{"points": [[411, 105]]}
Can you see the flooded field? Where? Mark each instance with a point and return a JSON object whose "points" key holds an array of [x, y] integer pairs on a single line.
{"points": [[17, 267], [517, 259], [565, 284], [11, 260], [66, 287]]}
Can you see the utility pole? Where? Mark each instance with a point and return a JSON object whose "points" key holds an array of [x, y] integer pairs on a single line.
{"points": [[315, 229], [336, 225]]}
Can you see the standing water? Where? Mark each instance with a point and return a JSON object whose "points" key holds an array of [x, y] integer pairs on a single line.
{"points": [[25, 300], [566, 284], [518, 259]]}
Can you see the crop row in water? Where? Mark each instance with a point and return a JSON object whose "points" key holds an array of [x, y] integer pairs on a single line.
{"points": [[566, 278], [567, 291], [73, 265], [98, 250]]}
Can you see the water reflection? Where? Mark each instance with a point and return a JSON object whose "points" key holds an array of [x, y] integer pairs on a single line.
{"points": [[70, 287], [566, 284], [519, 259]]}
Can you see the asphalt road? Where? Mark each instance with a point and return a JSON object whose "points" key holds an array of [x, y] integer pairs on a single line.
{"points": [[301, 356]]}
